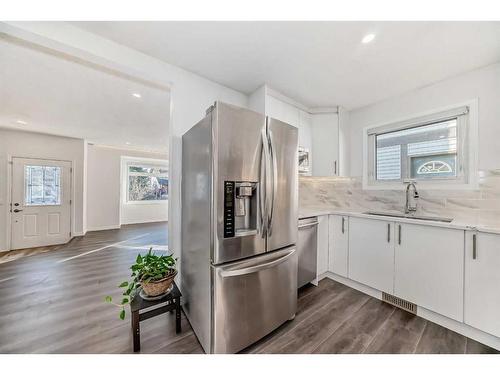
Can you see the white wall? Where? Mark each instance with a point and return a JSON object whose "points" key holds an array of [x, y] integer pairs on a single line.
{"points": [[32, 145], [105, 208], [257, 100], [483, 84]]}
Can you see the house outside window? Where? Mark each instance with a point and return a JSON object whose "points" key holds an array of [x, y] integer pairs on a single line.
{"points": [[433, 150]]}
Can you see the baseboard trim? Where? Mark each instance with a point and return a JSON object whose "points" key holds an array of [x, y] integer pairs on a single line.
{"points": [[104, 227], [144, 222], [453, 325]]}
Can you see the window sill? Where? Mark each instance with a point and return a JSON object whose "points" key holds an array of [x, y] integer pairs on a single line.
{"points": [[423, 186]]}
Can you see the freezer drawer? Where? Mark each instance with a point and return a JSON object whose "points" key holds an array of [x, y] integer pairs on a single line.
{"points": [[307, 248], [252, 298]]}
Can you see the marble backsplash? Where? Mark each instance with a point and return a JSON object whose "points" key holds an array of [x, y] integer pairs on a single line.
{"points": [[479, 207]]}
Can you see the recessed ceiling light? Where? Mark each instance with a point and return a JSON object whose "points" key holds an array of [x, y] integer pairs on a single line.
{"points": [[21, 122], [367, 38], [127, 143], [137, 95]]}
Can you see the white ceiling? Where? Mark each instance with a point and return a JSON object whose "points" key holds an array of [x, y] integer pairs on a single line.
{"points": [[316, 63], [56, 95]]}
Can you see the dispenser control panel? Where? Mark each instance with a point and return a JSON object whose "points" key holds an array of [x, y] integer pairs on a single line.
{"points": [[229, 228]]}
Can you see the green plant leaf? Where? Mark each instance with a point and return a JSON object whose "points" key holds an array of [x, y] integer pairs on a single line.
{"points": [[125, 301], [139, 258], [108, 299], [123, 285], [122, 314]]}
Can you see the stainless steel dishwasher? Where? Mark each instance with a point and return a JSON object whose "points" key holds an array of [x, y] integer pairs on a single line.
{"points": [[307, 250]]}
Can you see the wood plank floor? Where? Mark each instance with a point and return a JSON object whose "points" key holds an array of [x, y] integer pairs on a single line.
{"points": [[52, 302]]}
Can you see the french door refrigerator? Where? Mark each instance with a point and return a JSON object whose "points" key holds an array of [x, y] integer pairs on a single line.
{"points": [[239, 226]]}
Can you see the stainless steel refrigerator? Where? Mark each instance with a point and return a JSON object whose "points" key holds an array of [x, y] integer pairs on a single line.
{"points": [[239, 226]]}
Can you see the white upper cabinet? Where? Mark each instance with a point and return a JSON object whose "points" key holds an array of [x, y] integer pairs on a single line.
{"points": [[338, 247], [429, 264], [325, 143], [482, 282], [371, 253], [319, 138], [299, 118]]}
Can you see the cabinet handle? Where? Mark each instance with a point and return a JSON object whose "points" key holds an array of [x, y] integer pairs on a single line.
{"points": [[474, 246], [343, 220], [388, 232], [335, 167], [399, 234]]}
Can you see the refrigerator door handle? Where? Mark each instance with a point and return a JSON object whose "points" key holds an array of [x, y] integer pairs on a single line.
{"points": [[257, 268], [263, 182], [274, 179]]}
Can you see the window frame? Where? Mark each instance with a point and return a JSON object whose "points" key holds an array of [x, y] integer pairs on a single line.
{"points": [[467, 137], [145, 163]]}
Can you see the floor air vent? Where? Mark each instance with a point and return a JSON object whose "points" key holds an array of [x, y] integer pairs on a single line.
{"points": [[399, 302]]}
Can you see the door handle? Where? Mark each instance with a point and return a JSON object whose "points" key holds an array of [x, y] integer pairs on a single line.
{"points": [[257, 268], [274, 179], [16, 210], [263, 183], [308, 225], [474, 246]]}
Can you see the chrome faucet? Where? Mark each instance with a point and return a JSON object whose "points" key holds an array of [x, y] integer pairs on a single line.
{"points": [[411, 208]]}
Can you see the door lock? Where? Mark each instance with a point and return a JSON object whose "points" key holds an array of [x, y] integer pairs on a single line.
{"points": [[17, 210]]}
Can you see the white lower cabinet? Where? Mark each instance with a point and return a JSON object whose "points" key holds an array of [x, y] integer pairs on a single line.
{"points": [[482, 282], [322, 259], [371, 253], [429, 264], [338, 244], [451, 272]]}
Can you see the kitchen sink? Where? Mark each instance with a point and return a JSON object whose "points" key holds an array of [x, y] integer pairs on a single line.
{"points": [[407, 216]]}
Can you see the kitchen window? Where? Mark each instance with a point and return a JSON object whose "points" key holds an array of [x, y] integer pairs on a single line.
{"points": [[147, 183], [434, 150]]}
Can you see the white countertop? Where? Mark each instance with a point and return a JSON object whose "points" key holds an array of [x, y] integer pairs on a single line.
{"points": [[455, 224]]}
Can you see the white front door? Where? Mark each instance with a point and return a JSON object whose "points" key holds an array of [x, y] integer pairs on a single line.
{"points": [[41, 196]]}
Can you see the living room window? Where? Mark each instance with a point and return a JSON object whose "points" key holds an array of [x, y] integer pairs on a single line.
{"points": [[433, 150], [146, 183]]}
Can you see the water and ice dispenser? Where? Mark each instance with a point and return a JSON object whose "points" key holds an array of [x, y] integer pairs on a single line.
{"points": [[240, 208]]}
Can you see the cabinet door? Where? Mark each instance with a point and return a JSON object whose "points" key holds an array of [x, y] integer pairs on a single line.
{"points": [[325, 143], [338, 247], [429, 268], [482, 282], [371, 253], [322, 245]]}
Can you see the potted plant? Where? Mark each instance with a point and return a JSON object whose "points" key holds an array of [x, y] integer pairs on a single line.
{"points": [[153, 273]]}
